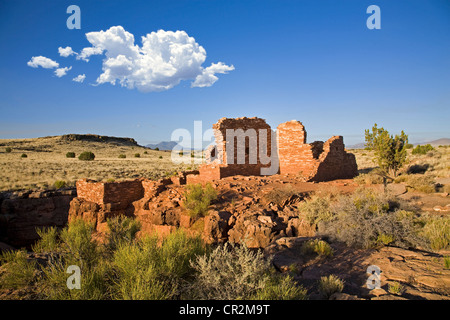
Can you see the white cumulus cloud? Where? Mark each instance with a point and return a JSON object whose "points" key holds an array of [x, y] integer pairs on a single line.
{"points": [[65, 52], [164, 59], [43, 62], [208, 76], [87, 52], [79, 78], [60, 72]]}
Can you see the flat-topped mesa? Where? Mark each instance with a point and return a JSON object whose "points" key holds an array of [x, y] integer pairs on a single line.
{"points": [[317, 161]]}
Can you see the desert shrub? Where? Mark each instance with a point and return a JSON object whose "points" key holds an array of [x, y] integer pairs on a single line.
{"points": [[317, 246], [121, 229], [447, 262], [396, 288], [281, 287], [232, 272], [122, 156], [316, 209], [48, 240], [86, 156], [390, 152], [153, 269], [157, 149], [8, 149], [421, 183], [422, 149], [280, 196], [17, 270], [199, 198], [79, 244], [366, 218], [59, 184], [70, 155], [95, 281], [160, 157], [437, 231], [409, 146], [328, 285], [137, 155], [368, 178], [23, 155], [110, 180], [145, 152]]}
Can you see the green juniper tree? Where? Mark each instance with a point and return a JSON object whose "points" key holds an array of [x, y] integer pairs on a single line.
{"points": [[390, 151]]}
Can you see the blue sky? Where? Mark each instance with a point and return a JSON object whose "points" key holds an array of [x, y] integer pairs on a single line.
{"points": [[313, 61]]}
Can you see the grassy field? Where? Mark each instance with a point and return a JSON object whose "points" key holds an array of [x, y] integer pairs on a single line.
{"points": [[46, 162], [422, 172]]}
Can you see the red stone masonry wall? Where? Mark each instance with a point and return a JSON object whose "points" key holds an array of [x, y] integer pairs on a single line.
{"points": [[110, 192], [316, 161]]}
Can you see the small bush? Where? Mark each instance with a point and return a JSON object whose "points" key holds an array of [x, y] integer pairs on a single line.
{"points": [[151, 269], [8, 150], [409, 146], [137, 155], [198, 199], [366, 219], [447, 262], [417, 182], [157, 149], [59, 184], [437, 231], [122, 156], [320, 247], [145, 152], [281, 287], [160, 157], [422, 149], [18, 270], [23, 155], [79, 244], [316, 209], [328, 285], [86, 156], [49, 240], [396, 288], [121, 229], [70, 155], [230, 272]]}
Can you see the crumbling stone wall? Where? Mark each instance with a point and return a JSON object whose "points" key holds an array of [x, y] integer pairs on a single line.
{"points": [[243, 146], [317, 161], [106, 192]]}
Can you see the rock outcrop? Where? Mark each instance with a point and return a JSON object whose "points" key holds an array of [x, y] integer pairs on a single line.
{"points": [[22, 212]]}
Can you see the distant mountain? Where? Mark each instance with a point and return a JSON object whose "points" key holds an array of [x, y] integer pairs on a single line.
{"points": [[163, 145], [438, 142], [356, 146]]}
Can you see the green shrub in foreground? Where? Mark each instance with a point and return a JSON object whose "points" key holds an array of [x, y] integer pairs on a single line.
{"points": [[236, 272], [328, 285], [199, 198], [70, 155], [8, 149]]}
